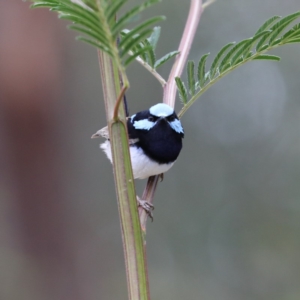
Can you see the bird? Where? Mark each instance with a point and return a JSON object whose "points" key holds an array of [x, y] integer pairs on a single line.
{"points": [[155, 140]]}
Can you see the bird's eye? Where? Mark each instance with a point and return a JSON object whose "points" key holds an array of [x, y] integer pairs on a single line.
{"points": [[171, 118], [151, 119]]}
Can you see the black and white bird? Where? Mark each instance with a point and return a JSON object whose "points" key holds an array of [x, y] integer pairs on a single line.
{"points": [[155, 140]]}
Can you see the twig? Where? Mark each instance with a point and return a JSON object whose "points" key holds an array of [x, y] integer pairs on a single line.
{"points": [[118, 102], [170, 87], [151, 70], [184, 49], [207, 3], [148, 194]]}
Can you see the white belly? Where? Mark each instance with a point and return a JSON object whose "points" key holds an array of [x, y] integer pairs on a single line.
{"points": [[142, 166]]}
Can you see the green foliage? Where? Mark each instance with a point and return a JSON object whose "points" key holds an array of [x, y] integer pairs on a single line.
{"points": [[97, 21], [191, 77], [182, 90], [165, 58], [152, 41], [268, 57], [217, 59], [145, 49], [273, 33], [202, 77]]}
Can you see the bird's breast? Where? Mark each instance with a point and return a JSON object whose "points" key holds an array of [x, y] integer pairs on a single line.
{"points": [[162, 146]]}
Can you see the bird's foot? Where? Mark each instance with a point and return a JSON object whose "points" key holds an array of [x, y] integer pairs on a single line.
{"points": [[147, 206]]}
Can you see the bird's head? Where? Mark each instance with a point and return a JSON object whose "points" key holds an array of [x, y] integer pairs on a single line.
{"points": [[156, 118]]}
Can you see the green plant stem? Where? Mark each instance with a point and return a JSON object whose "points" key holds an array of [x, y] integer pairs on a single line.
{"points": [[135, 262]]}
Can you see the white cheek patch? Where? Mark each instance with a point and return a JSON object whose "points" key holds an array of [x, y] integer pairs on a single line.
{"points": [[176, 125], [143, 124]]}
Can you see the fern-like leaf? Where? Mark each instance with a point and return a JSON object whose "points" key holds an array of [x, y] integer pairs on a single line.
{"points": [[226, 61], [95, 44], [91, 33], [267, 24], [217, 59], [136, 54], [126, 18], [201, 71], [293, 41], [292, 33], [165, 58], [276, 29], [182, 90], [268, 57], [127, 39], [154, 37], [281, 26], [272, 34], [134, 40], [97, 21], [113, 9], [150, 54], [256, 37], [191, 76]]}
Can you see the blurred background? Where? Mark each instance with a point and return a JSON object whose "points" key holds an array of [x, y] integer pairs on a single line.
{"points": [[227, 217]]}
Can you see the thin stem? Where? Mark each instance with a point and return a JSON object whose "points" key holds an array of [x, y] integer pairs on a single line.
{"points": [[151, 70], [134, 252], [184, 49], [147, 194], [207, 3], [119, 100], [170, 87]]}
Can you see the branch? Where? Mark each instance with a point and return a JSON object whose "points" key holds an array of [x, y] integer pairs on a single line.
{"points": [[170, 88], [184, 49], [207, 3], [134, 254], [151, 70]]}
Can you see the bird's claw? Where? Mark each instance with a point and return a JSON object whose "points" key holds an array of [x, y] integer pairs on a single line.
{"points": [[147, 206]]}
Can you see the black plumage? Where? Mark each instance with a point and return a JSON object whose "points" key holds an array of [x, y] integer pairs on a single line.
{"points": [[161, 143]]}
